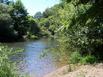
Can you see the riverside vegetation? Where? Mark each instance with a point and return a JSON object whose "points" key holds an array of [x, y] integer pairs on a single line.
{"points": [[77, 25], [15, 23], [7, 67]]}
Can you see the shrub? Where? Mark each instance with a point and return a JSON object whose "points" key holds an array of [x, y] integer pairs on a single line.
{"points": [[88, 59], [31, 36], [75, 57], [7, 68]]}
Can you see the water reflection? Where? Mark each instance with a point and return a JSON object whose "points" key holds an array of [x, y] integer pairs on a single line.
{"points": [[29, 62]]}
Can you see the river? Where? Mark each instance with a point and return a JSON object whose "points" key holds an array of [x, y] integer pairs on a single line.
{"points": [[30, 62]]}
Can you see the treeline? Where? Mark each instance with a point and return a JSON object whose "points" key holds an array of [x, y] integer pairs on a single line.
{"points": [[15, 23], [78, 27]]}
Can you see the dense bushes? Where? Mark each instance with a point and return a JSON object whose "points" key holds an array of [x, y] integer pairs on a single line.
{"points": [[80, 24], [85, 30], [7, 68], [76, 57]]}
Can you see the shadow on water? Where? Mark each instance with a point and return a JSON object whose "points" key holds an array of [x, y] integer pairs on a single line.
{"points": [[30, 63]]}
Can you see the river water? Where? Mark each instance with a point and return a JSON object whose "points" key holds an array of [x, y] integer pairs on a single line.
{"points": [[30, 61]]}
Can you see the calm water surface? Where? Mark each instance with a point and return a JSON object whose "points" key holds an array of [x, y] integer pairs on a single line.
{"points": [[30, 62]]}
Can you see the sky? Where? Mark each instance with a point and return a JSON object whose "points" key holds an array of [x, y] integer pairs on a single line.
{"points": [[34, 6]]}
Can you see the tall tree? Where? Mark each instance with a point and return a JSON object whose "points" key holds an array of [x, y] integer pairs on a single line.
{"points": [[38, 15], [19, 15], [6, 27]]}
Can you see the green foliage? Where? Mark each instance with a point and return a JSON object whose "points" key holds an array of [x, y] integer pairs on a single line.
{"points": [[6, 27], [51, 19], [31, 36], [48, 12], [7, 68], [89, 59], [75, 57], [15, 22], [44, 24], [34, 29], [4, 11], [33, 26], [83, 27], [19, 16], [84, 30], [80, 24], [38, 15]]}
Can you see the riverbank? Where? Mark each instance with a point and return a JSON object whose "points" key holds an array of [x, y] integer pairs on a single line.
{"points": [[95, 70]]}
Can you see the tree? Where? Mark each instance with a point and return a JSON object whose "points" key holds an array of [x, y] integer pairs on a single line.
{"points": [[33, 26], [85, 27], [6, 27], [38, 15], [48, 12], [51, 19], [80, 24], [19, 15]]}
